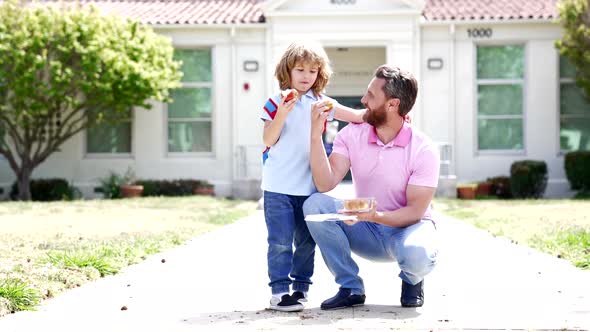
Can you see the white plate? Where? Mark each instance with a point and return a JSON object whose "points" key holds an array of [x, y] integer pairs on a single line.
{"points": [[329, 217]]}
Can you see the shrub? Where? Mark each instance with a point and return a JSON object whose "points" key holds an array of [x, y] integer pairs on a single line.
{"points": [[582, 195], [528, 178], [500, 186], [577, 169], [179, 187], [46, 190]]}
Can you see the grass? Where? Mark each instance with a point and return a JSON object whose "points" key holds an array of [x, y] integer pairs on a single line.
{"points": [[47, 248], [557, 227], [16, 295]]}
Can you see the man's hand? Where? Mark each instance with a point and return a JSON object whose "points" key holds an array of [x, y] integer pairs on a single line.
{"points": [[361, 216], [319, 115]]}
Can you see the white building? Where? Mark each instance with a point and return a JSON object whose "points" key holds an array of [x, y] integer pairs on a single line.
{"points": [[491, 86]]}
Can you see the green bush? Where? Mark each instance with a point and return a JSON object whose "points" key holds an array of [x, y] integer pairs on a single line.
{"points": [[582, 195], [110, 186], [179, 187], [577, 169], [46, 190], [528, 178], [500, 186]]}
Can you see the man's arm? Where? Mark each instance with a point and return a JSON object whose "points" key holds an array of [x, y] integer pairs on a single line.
{"points": [[419, 198], [327, 173]]}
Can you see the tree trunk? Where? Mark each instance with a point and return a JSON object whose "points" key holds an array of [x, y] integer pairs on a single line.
{"points": [[24, 183]]}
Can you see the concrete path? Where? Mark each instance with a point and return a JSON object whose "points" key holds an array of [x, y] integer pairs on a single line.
{"points": [[218, 282]]}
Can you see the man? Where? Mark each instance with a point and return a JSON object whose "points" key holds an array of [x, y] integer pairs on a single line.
{"points": [[392, 162]]}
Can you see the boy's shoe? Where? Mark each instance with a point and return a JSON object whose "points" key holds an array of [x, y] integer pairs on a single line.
{"points": [[285, 303], [299, 296]]}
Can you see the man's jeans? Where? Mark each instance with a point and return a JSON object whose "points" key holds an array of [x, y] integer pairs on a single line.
{"points": [[286, 226], [413, 247]]}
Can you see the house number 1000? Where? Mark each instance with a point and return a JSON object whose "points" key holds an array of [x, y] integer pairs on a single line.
{"points": [[479, 33], [343, 2]]}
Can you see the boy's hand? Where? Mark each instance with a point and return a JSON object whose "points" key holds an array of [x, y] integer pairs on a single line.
{"points": [[286, 107], [319, 115]]}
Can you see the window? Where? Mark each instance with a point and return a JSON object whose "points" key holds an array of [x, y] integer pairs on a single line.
{"points": [[574, 111], [109, 138], [190, 113], [500, 91]]}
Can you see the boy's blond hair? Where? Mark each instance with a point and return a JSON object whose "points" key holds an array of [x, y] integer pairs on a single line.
{"points": [[304, 52]]}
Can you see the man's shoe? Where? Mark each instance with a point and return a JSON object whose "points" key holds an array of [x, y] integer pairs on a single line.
{"points": [[299, 296], [343, 299], [285, 303], [412, 295]]}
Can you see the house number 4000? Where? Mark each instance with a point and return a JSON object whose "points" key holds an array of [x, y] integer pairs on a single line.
{"points": [[479, 33]]}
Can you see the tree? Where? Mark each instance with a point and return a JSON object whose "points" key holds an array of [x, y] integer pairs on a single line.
{"points": [[574, 16], [66, 68]]}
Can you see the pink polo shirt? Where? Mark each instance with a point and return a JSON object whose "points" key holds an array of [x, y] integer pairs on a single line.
{"points": [[384, 171]]}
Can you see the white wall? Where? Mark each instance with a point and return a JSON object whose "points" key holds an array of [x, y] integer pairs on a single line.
{"points": [[454, 120], [346, 6]]}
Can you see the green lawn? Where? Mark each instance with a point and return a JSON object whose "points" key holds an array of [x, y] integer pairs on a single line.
{"points": [[558, 227], [46, 248]]}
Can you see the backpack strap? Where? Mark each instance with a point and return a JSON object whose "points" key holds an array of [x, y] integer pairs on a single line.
{"points": [[271, 108]]}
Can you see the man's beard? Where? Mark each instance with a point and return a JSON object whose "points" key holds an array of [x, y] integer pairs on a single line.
{"points": [[375, 118]]}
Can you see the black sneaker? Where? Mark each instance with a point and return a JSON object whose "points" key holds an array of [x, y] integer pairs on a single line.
{"points": [[412, 295], [285, 303], [343, 299], [299, 296]]}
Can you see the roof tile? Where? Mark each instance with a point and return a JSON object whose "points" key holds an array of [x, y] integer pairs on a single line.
{"points": [[496, 10], [157, 12], [179, 12]]}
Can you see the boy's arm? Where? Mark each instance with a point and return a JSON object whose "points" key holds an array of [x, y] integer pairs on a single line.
{"points": [[344, 113], [272, 129]]}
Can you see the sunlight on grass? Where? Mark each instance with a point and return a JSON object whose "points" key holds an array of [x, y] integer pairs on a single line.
{"points": [[559, 227], [50, 247], [571, 243]]}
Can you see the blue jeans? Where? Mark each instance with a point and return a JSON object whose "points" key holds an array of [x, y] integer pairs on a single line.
{"points": [[413, 247], [286, 226]]}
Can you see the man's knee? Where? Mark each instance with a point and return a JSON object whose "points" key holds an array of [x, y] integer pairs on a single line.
{"points": [[312, 204], [417, 260]]}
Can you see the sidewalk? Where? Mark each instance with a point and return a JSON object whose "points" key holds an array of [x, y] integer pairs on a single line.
{"points": [[218, 282]]}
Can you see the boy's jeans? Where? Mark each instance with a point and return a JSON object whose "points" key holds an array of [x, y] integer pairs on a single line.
{"points": [[413, 247], [286, 226]]}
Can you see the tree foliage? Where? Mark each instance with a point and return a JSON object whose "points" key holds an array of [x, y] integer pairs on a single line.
{"points": [[67, 67], [574, 16]]}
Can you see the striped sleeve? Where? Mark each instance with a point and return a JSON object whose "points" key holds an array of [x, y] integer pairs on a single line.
{"points": [[269, 109]]}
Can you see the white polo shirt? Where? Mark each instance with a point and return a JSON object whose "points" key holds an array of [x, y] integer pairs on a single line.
{"points": [[287, 170]]}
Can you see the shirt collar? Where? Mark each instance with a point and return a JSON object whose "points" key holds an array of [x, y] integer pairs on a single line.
{"points": [[402, 139], [311, 95]]}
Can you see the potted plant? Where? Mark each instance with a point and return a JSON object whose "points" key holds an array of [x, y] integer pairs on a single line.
{"points": [[129, 188], [466, 190], [204, 188], [484, 188]]}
